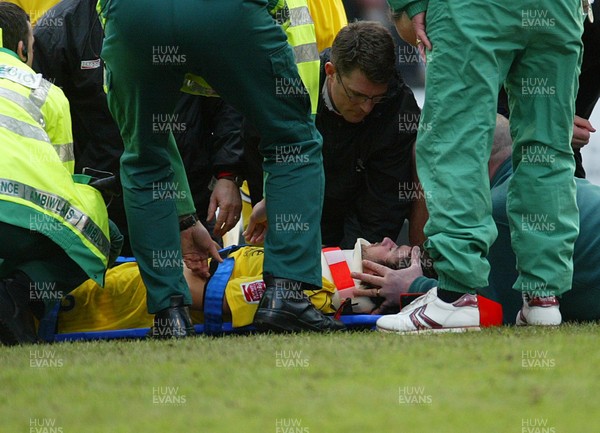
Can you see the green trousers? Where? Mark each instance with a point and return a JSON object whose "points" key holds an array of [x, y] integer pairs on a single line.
{"points": [[534, 49], [237, 47], [52, 272]]}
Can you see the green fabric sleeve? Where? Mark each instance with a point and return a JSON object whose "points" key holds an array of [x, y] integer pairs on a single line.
{"points": [[411, 7], [422, 285]]}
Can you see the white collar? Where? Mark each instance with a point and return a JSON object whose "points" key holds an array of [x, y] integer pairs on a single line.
{"points": [[353, 259], [327, 97]]}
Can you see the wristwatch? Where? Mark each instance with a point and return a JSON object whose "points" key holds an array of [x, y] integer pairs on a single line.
{"points": [[187, 222]]}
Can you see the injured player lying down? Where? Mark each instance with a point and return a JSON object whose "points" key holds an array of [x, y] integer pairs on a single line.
{"points": [[121, 304]]}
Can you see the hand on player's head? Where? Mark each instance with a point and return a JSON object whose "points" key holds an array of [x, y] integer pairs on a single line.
{"points": [[387, 282]]}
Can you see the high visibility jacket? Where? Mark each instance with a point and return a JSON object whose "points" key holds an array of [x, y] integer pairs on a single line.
{"points": [[56, 118], [294, 17], [37, 188], [70, 59]]}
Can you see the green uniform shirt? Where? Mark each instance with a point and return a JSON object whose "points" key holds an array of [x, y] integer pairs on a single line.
{"points": [[411, 7]]}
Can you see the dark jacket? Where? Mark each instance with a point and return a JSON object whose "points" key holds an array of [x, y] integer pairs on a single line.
{"points": [[68, 42], [368, 167], [209, 145]]}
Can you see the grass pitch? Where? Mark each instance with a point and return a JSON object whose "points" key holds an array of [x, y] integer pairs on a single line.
{"points": [[497, 380]]}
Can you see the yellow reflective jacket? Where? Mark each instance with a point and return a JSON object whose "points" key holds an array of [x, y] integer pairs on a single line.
{"points": [[329, 17], [37, 188], [34, 8]]}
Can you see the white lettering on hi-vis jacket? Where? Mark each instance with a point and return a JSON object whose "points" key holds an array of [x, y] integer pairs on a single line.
{"points": [[20, 76]]}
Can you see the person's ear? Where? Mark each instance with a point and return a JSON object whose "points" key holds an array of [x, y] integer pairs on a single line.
{"points": [[22, 51], [329, 69]]}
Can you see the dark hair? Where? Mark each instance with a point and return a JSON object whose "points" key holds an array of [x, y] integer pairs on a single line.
{"points": [[13, 21], [368, 46]]}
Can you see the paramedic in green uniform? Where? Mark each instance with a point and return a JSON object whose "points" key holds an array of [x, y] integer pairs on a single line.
{"points": [[473, 47], [581, 303], [237, 47]]}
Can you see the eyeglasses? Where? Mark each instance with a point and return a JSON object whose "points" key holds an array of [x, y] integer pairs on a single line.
{"points": [[360, 99]]}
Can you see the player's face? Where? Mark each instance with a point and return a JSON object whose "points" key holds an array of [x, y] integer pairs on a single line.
{"points": [[387, 253]]}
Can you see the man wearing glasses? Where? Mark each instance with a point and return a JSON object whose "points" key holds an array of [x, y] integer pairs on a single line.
{"points": [[368, 118]]}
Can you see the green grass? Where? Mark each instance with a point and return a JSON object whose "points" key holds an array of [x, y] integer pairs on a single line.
{"points": [[354, 382]]}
